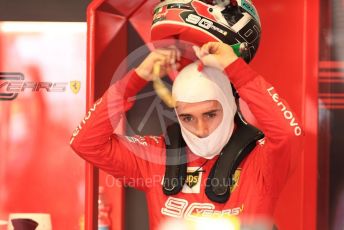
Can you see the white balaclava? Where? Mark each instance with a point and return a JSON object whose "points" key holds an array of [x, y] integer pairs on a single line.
{"points": [[193, 85]]}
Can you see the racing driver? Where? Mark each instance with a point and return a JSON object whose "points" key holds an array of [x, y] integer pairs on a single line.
{"points": [[218, 143]]}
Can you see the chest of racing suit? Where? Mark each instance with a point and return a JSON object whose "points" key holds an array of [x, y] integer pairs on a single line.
{"points": [[139, 161]]}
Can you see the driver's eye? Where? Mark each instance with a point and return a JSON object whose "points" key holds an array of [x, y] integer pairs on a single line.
{"points": [[187, 118]]}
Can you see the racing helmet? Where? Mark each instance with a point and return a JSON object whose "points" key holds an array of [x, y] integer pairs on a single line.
{"points": [[234, 22]]}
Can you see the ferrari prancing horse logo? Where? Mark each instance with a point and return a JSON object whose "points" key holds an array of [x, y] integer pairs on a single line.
{"points": [[75, 86]]}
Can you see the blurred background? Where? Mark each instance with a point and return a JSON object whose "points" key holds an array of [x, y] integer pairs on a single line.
{"points": [[46, 41], [39, 173]]}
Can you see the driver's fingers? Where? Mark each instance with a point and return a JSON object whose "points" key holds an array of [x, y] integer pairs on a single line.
{"points": [[209, 48], [159, 57]]}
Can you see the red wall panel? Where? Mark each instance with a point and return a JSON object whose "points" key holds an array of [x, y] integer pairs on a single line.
{"points": [[288, 58]]}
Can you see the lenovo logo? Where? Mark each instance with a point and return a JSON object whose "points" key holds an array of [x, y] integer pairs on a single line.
{"points": [[288, 115]]}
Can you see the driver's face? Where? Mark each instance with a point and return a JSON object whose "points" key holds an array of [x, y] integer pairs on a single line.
{"points": [[200, 118]]}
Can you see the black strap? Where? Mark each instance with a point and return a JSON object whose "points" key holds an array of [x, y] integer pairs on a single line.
{"points": [[239, 146], [176, 161]]}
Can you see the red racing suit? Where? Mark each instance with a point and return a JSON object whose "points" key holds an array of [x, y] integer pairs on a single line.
{"points": [[139, 161]]}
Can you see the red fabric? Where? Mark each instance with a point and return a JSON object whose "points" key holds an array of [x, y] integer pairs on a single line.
{"points": [[139, 161]]}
